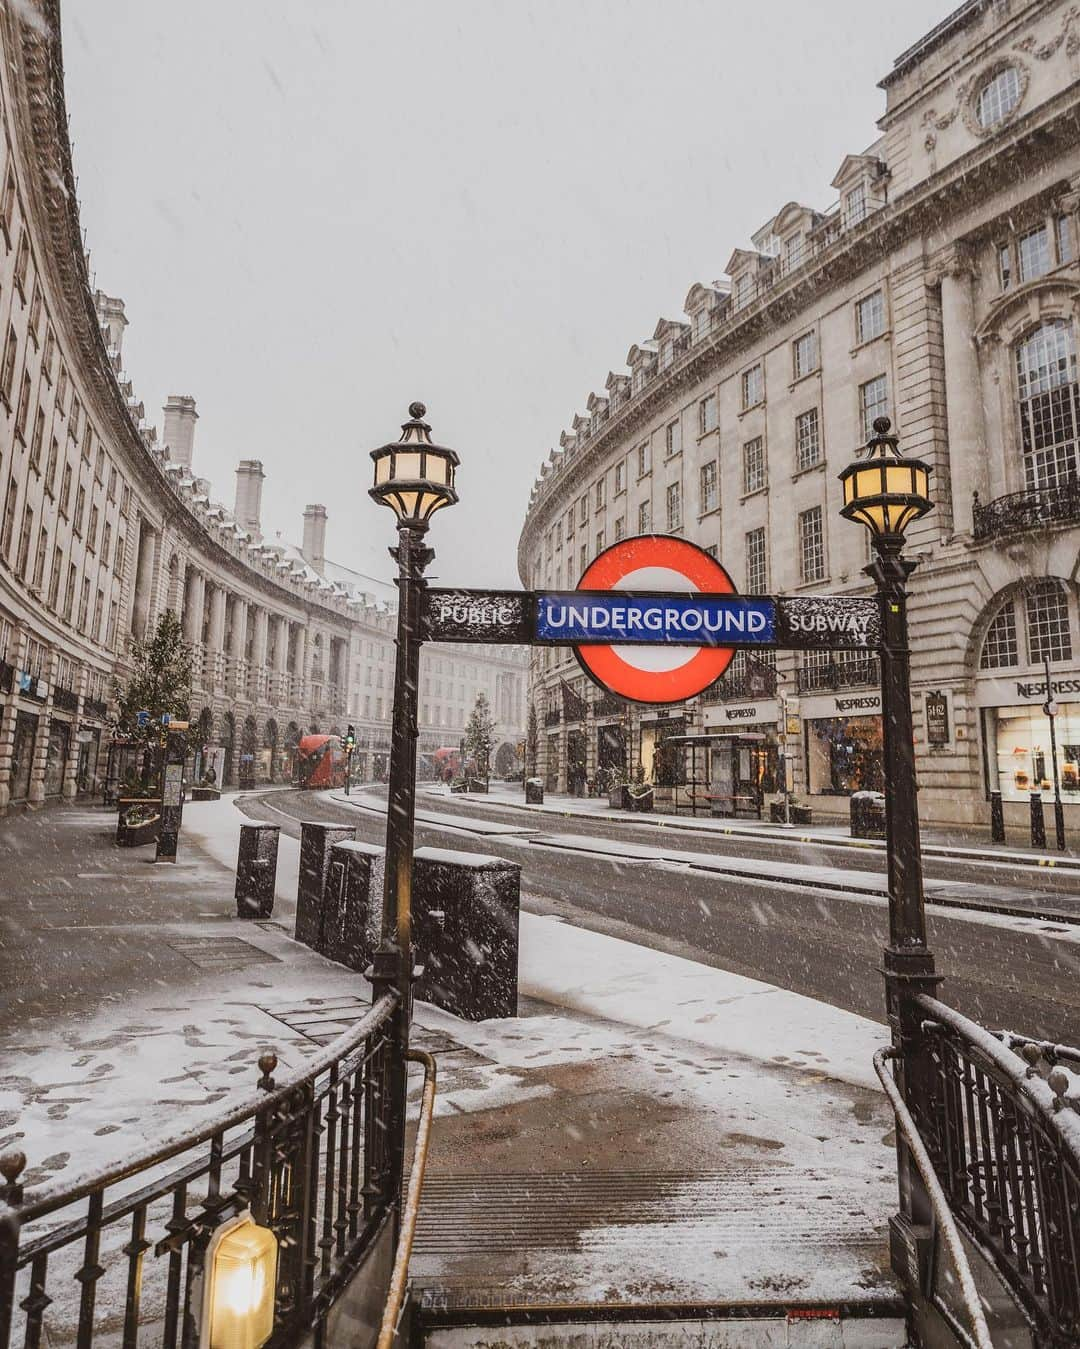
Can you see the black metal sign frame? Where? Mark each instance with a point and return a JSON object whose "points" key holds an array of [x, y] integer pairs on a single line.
{"points": [[801, 622]]}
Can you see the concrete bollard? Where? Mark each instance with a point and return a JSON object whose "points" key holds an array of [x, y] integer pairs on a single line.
{"points": [[256, 869], [465, 914], [316, 841], [352, 911]]}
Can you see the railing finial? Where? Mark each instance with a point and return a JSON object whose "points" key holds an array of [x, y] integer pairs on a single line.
{"points": [[1059, 1082], [11, 1168], [267, 1063]]}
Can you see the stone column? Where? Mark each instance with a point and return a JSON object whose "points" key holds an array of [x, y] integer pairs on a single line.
{"points": [[300, 667], [963, 389], [238, 645], [217, 636], [258, 652], [9, 703], [36, 795], [193, 610], [145, 553], [70, 786]]}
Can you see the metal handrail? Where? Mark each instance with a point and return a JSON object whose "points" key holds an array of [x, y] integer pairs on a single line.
{"points": [[936, 1195], [400, 1275], [59, 1195]]}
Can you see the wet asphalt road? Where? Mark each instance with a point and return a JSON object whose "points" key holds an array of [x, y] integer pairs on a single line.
{"points": [[1022, 974]]}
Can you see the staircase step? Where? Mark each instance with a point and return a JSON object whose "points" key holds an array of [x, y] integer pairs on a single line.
{"points": [[873, 1326]]}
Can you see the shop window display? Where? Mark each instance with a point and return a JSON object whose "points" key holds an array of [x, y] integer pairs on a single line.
{"points": [[845, 755], [1018, 750]]}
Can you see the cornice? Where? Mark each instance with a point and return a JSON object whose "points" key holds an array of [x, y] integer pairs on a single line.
{"points": [[966, 180]]}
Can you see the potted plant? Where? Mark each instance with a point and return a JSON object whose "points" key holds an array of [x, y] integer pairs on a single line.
{"points": [[797, 814], [137, 823], [459, 784], [639, 796]]}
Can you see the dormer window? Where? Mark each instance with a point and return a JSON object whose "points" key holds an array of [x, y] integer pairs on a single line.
{"points": [[855, 206], [998, 97], [702, 323], [667, 354], [743, 290], [639, 378], [793, 252]]}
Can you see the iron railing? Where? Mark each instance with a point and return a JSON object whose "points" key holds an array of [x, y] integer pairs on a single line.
{"points": [[750, 684], [95, 707], [118, 1257], [1006, 1149], [1033, 509], [67, 700], [838, 675], [938, 1202]]}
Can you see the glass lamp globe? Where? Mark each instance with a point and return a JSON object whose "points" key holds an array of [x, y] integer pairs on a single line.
{"points": [[414, 476]]}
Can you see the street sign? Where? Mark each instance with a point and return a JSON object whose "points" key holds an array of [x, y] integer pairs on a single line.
{"points": [[142, 718], [658, 667]]}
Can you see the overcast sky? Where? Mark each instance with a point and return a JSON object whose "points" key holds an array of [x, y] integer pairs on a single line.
{"points": [[319, 211]]}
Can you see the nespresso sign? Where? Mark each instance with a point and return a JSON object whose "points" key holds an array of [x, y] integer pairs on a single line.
{"points": [[1039, 690]]}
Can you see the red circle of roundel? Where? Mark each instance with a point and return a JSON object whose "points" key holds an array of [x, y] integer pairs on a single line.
{"points": [[703, 665]]}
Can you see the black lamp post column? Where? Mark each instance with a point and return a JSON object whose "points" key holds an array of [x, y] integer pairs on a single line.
{"points": [[393, 964], [415, 478], [908, 963]]}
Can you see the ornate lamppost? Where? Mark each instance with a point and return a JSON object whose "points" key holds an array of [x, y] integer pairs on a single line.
{"points": [[887, 492], [415, 478]]}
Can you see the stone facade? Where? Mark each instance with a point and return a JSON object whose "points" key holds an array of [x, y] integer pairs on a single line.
{"points": [[942, 288]]}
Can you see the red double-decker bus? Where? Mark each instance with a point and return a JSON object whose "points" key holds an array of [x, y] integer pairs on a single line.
{"points": [[320, 762]]}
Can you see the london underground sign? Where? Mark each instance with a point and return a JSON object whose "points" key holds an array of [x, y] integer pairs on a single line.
{"points": [[654, 619], [640, 580]]}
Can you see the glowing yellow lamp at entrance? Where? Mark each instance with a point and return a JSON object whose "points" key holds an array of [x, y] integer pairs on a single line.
{"points": [[885, 492], [413, 476], [241, 1278]]}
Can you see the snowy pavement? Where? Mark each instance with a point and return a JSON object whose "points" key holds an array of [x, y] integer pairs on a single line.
{"points": [[641, 1105], [937, 842]]}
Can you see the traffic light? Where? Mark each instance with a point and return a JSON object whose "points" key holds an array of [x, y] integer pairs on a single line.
{"points": [[350, 740]]}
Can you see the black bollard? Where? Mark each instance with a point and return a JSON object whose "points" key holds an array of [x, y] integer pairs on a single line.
{"points": [[316, 841], [997, 818], [1038, 821], [256, 870]]}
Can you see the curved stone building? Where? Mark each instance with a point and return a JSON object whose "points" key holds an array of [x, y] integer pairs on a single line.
{"points": [[102, 527], [941, 288]]}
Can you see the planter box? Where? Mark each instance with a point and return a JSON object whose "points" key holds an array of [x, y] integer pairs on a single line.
{"points": [[641, 803], [478, 786], [136, 835], [796, 814], [205, 794], [619, 797]]}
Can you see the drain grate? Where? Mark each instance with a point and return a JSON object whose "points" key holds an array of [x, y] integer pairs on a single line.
{"points": [[325, 1020], [219, 955]]}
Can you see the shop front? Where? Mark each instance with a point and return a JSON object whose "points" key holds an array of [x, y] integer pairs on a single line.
{"points": [[86, 768], [56, 756], [611, 747], [22, 759], [577, 773], [551, 776], [1018, 757], [662, 767], [844, 744], [745, 760]]}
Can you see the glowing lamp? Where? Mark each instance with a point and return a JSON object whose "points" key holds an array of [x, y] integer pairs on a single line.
{"points": [[885, 492], [413, 476], [241, 1261]]}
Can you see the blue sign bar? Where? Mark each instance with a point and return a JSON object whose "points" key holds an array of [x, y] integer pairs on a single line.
{"points": [[666, 620]]}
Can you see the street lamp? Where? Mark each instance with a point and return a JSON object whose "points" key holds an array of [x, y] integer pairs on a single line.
{"points": [[887, 492], [415, 478], [238, 1309]]}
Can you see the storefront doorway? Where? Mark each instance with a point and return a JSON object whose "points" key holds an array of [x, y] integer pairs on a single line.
{"points": [[22, 762], [56, 756], [845, 754]]}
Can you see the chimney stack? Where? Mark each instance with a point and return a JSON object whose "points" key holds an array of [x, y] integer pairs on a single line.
{"points": [[111, 316], [249, 481], [314, 549], [179, 436]]}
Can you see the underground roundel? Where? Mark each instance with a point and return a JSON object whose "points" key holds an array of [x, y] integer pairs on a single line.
{"points": [[655, 673]]}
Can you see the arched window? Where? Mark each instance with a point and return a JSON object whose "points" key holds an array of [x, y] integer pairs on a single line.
{"points": [[999, 645], [997, 98], [1048, 632], [1049, 404]]}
